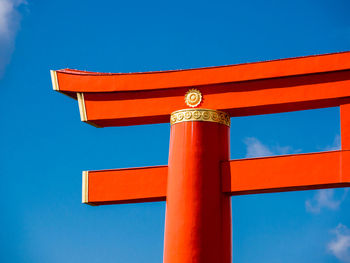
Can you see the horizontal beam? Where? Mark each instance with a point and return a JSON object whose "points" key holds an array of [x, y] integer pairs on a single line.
{"points": [[74, 81], [247, 89], [122, 186], [239, 177], [287, 173], [237, 99]]}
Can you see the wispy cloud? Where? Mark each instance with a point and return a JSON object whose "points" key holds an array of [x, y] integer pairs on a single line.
{"points": [[9, 24], [324, 198], [335, 145], [340, 245], [255, 148]]}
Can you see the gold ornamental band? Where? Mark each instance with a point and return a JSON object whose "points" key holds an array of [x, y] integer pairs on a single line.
{"points": [[200, 115]]}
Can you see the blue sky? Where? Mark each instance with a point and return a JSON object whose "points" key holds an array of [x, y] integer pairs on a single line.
{"points": [[44, 146]]}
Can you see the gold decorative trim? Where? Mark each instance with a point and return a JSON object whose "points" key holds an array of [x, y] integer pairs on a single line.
{"points": [[54, 80], [200, 115], [85, 189], [82, 109], [193, 98]]}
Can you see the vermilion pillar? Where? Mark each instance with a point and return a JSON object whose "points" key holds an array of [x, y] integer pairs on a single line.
{"points": [[198, 214]]}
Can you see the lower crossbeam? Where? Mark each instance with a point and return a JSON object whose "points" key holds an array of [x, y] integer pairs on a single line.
{"points": [[122, 186], [239, 177], [287, 173]]}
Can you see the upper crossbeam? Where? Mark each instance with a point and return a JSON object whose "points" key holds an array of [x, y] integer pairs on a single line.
{"points": [[107, 99]]}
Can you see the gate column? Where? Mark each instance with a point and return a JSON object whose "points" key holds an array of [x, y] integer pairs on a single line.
{"points": [[198, 213]]}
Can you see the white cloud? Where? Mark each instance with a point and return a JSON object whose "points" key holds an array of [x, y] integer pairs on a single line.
{"points": [[324, 198], [256, 148], [340, 245], [9, 24], [335, 145]]}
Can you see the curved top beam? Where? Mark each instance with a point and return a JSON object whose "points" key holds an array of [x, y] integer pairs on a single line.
{"points": [[118, 99], [70, 80]]}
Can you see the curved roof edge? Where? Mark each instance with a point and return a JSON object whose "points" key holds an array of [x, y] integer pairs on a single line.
{"points": [[70, 81]]}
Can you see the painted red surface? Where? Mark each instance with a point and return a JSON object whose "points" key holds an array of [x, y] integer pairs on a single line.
{"points": [[237, 99], [198, 214], [199, 179], [286, 173], [245, 89], [246, 176], [345, 125], [82, 81], [131, 185]]}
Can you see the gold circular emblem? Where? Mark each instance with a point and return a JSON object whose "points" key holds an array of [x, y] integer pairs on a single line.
{"points": [[188, 115], [193, 98], [196, 114], [206, 115], [214, 116], [222, 117]]}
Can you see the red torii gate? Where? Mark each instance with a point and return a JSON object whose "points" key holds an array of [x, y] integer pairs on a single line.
{"points": [[200, 178]]}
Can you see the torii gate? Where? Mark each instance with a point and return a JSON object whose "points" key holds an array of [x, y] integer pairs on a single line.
{"points": [[200, 178]]}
